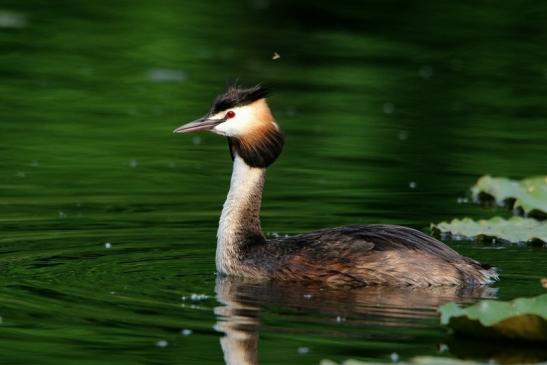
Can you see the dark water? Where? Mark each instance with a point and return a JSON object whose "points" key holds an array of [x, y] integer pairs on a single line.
{"points": [[391, 111]]}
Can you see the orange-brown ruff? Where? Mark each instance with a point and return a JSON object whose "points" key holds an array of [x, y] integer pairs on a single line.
{"points": [[355, 255]]}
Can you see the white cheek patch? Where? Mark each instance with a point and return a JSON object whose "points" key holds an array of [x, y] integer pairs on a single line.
{"points": [[238, 125]]}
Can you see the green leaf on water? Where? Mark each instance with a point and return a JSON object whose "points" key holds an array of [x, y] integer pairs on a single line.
{"points": [[522, 318], [529, 194], [514, 229]]}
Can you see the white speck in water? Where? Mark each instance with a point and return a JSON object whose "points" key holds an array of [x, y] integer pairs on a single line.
{"points": [[166, 75], [186, 332], [196, 140], [426, 72], [162, 343], [394, 357], [197, 297], [442, 348], [276, 56], [133, 163], [171, 165], [388, 108], [183, 297], [35, 163], [112, 292], [340, 319], [108, 245], [9, 19], [62, 215], [461, 200], [303, 350], [412, 184], [307, 296], [21, 174], [402, 135]]}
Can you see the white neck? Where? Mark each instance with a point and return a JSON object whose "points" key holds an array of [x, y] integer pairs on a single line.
{"points": [[239, 222]]}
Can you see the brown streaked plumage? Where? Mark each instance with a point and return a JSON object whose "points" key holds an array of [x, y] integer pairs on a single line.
{"points": [[357, 255]]}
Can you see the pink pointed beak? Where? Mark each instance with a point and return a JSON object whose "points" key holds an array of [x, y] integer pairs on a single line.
{"points": [[201, 124]]}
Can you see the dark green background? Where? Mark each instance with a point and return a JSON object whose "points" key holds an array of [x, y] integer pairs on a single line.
{"points": [[372, 96]]}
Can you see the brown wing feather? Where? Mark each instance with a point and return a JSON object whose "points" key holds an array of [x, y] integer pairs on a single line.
{"points": [[368, 254]]}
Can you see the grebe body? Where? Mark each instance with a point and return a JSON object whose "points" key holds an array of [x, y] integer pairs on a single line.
{"points": [[355, 255]]}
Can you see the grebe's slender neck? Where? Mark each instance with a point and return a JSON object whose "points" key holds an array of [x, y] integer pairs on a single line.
{"points": [[239, 224]]}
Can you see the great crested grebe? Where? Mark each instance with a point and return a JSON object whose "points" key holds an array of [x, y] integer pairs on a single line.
{"points": [[355, 255]]}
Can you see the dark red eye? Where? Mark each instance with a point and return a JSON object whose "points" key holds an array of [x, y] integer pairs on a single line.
{"points": [[230, 114]]}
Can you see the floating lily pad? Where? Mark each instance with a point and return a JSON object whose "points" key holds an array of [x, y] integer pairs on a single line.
{"points": [[514, 229], [529, 194], [522, 318]]}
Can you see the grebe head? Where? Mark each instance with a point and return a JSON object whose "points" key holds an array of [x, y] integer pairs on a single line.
{"points": [[243, 115]]}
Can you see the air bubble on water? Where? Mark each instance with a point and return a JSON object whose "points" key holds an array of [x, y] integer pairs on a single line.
{"points": [[394, 357], [303, 350], [412, 184], [186, 332], [198, 297], [133, 163], [107, 245], [340, 319], [162, 343], [9, 19], [402, 135], [62, 215], [426, 72], [196, 140], [388, 108], [165, 75], [307, 296]]}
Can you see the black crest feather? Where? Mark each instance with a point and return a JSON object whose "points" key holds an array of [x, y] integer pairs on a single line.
{"points": [[235, 96]]}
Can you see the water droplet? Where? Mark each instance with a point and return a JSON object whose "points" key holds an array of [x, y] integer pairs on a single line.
{"points": [[198, 297], [307, 296], [196, 140], [388, 108], [133, 163], [62, 215], [9, 19], [166, 75], [186, 332], [412, 185], [402, 135], [108, 245], [21, 174], [394, 357], [340, 319], [426, 72], [162, 343], [303, 350]]}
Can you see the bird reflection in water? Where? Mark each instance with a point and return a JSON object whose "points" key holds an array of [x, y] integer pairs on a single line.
{"points": [[239, 314]]}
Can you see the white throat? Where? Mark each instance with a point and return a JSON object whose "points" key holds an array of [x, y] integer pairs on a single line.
{"points": [[239, 221]]}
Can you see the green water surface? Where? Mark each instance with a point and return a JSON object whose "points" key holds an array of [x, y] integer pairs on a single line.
{"points": [[391, 110]]}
